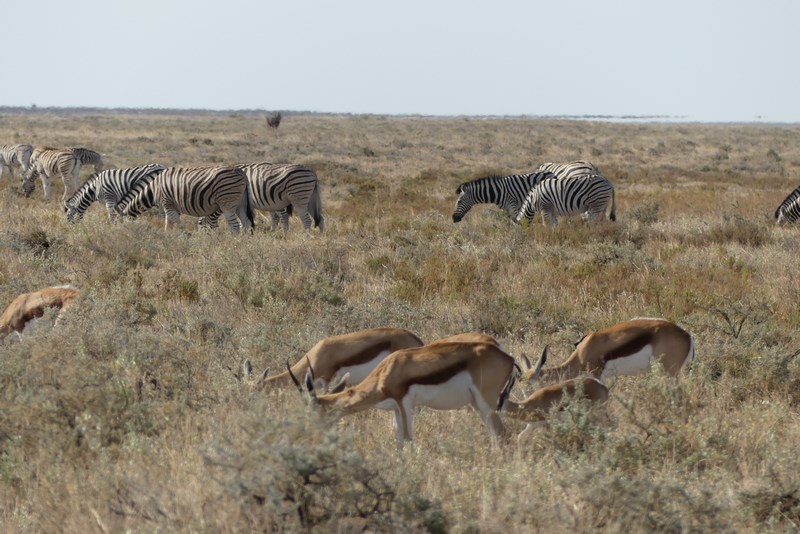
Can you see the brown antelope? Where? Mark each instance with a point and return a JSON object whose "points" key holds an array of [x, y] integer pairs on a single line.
{"points": [[442, 376], [468, 337], [354, 354], [626, 348], [535, 409], [29, 306]]}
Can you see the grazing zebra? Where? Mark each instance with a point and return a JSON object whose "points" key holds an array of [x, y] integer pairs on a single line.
{"points": [[47, 163], [281, 188], [275, 218], [11, 155], [197, 192], [108, 186], [789, 210], [88, 157], [566, 170], [508, 192], [586, 194]]}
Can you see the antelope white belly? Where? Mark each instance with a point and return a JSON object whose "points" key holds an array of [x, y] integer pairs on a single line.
{"points": [[634, 364], [359, 372], [449, 395]]}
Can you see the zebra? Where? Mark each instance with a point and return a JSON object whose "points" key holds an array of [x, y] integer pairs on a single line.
{"points": [[11, 155], [585, 194], [565, 170], [789, 210], [508, 192], [108, 186], [88, 157], [48, 162], [198, 192], [280, 189]]}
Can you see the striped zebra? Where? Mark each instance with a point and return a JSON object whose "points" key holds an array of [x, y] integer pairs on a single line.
{"points": [[566, 170], [587, 195], [49, 162], [508, 192], [280, 189], [88, 157], [109, 187], [11, 155], [198, 192], [789, 210]]}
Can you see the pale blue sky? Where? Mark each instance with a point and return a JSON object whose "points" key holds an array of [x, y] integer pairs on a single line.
{"points": [[700, 59]]}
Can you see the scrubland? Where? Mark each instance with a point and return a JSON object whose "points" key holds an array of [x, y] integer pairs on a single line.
{"points": [[134, 415]]}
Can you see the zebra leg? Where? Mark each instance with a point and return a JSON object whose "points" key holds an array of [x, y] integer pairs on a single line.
{"points": [[549, 217], [305, 217], [46, 184], [275, 217], [172, 217], [233, 221]]}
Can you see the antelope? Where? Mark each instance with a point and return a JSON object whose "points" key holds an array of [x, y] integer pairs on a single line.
{"points": [[626, 348], [535, 409], [354, 354], [29, 306], [469, 337], [442, 376]]}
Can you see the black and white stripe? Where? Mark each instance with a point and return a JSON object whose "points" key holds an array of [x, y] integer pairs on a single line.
{"points": [[11, 155], [587, 195], [88, 157], [789, 210], [198, 192], [48, 163], [568, 170], [508, 192], [282, 188], [108, 187]]}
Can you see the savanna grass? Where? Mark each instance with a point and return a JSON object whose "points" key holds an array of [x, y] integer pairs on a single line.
{"points": [[135, 415]]}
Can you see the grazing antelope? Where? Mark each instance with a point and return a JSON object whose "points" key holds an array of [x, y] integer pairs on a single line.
{"points": [[626, 348], [535, 409], [469, 337], [354, 354], [32, 305], [442, 376]]}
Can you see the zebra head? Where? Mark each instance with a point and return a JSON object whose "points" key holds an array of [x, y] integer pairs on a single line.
{"points": [[29, 181], [464, 202]]}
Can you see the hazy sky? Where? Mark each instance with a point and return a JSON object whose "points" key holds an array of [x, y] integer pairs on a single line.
{"points": [[700, 59]]}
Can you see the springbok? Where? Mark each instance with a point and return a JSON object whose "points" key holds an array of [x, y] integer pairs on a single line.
{"points": [[535, 409], [626, 348], [442, 376], [354, 354], [29, 306]]}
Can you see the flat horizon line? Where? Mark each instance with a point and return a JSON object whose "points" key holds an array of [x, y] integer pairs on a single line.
{"points": [[653, 118]]}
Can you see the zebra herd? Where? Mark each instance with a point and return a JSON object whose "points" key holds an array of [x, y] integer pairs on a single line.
{"points": [[558, 189], [553, 189], [204, 192]]}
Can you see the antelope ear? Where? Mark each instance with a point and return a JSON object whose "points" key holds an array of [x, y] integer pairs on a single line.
{"points": [[542, 359], [526, 362], [310, 382], [339, 386], [264, 375], [247, 368]]}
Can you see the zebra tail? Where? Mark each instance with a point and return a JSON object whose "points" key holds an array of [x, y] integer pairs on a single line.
{"points": [[316, 208], [249, 211], [613, 214]]}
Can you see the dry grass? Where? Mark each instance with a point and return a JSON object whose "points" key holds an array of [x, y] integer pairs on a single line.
{"points": [[133, 416]]}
